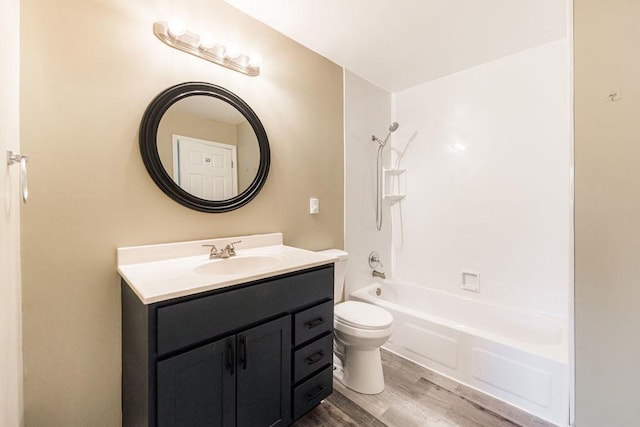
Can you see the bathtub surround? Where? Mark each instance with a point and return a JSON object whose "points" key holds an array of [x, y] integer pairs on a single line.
{"points": [[89, 69], [487, 152], [10, 292], [366, 112]]}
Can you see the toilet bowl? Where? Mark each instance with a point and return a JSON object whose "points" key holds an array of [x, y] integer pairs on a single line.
{"points": [[360, 329]]}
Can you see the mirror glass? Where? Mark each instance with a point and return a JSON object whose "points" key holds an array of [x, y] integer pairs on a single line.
{"points": [[208, 147], [204, 147]]}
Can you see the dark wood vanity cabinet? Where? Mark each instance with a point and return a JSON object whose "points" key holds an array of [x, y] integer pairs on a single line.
{"points": [[256, 354], [198, 387], [246, 374]]}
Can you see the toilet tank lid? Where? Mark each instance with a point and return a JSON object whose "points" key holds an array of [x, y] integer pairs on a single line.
{"points": [[335, 253]]}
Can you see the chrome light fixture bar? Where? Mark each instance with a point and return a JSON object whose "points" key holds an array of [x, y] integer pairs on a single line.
{"points": [[174, 34]]}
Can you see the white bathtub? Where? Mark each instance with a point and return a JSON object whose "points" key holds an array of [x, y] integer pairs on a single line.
{"points": [[517, 356]]}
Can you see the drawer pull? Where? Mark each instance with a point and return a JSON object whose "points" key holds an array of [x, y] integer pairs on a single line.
{"points": [[314, 323], [315, 393], [315, 358]]}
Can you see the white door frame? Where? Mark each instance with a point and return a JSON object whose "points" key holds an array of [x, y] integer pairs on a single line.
{"points": [[11, 400]]}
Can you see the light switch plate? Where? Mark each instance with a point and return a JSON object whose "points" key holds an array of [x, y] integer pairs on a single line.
{"points": [[314, 206]]}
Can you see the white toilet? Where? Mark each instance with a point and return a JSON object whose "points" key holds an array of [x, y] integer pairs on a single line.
{"points": [[360, 329]]}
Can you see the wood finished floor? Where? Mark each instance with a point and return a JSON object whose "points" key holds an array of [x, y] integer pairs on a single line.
{"points": [[414, 397]]}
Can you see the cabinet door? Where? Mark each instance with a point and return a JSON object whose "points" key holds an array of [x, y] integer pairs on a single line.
{"points": [[198, 388], [264, 375]]}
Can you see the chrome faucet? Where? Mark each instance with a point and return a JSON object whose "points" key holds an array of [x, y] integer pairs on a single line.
{"points": [[227, 252], [374, 261], [380, 274]]}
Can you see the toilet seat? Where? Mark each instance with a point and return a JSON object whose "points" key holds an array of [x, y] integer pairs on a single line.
{"points": [[361, 315]]}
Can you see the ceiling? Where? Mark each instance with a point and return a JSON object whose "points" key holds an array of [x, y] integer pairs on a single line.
{"points": [[398, 44]]}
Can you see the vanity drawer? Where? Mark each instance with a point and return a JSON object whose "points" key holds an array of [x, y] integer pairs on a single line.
{"points": [[196, 320], [308, 394], [313, 322], [312, 357]]}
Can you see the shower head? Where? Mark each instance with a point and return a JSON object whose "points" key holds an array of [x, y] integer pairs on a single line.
{"points": [[392, 128]]}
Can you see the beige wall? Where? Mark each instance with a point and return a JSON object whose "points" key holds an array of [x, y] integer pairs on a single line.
{"points": [[10, 315], [607, 212], [89, 69]]}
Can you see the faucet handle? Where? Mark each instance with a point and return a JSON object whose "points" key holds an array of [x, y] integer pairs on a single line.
{"points": [[214, 250], [231, 248], [374, 260]]}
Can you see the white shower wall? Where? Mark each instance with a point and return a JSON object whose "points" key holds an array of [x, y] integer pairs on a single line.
{"points": [[367, 111], [488, 158]]}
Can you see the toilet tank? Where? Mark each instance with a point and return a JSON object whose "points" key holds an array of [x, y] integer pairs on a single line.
{"points": [[339, 273]]}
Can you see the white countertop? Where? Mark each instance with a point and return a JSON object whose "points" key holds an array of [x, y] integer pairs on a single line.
{"points": [[161, 272]]}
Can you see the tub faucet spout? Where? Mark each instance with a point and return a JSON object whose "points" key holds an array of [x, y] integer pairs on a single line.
{"points": [[380, 274]]}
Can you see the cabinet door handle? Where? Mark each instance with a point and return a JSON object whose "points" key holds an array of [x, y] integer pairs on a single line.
{"points": [[315, 393], [313, 323], [244, 349], [314, 358], [231, 358]]}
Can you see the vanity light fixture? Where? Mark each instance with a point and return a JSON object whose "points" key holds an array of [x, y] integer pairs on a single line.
{"points": [[231, 51], [176, 27], [207, 41], [175, 34]]}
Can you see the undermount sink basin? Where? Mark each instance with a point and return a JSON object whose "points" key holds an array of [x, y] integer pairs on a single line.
{"points": [[237, 265]]}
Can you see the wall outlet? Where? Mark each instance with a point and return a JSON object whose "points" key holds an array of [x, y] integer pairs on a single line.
{"points": [[471, 281]]}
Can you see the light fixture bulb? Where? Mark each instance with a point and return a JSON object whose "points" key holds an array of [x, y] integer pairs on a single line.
{"points": [[255, 60], [207, 41], [231, 51], [176, 27]]}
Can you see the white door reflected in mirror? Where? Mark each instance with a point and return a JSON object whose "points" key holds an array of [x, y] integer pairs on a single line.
{"points": [[206, 169]]}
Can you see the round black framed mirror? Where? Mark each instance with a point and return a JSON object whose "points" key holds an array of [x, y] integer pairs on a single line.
{"points": [[204, 147]]}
